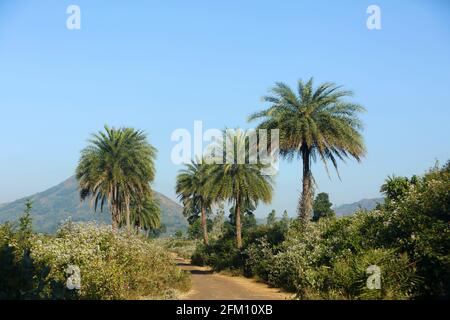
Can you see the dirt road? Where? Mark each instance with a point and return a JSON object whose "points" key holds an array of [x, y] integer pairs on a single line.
{"points": [[207, 285]]}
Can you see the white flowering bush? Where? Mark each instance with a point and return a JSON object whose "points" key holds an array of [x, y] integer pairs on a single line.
{"points": [[112, 265]]}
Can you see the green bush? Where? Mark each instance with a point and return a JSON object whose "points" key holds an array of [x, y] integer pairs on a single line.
{"points": [[418, 224], [21, 277], [329, 260], [258, 259], [222, 254]]}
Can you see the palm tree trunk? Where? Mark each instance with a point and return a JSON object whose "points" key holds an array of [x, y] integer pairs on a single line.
{"points": [[238, 225], [204, 226], [128, 218], [114, 220], [306, 200]]}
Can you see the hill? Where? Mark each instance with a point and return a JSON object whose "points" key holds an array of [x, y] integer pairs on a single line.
{"points": [[62, 202], [350, 208]]}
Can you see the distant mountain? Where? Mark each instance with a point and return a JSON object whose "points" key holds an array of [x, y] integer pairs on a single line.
{"points": [[57, 204], [350, 208]]}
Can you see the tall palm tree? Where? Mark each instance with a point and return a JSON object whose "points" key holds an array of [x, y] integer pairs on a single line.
{"points": [[314, 123], [242, 184], [193, 193], [117, 165]]}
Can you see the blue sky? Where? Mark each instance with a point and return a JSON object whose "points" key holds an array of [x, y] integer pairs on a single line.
{"points": [[161, 65]]}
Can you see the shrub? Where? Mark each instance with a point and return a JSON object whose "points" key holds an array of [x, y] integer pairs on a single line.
{"points": [[183, 248], [259, 258], [418, 224], [329, 260], [348, 276], [112, 265], [222, 254], [21, 276]]}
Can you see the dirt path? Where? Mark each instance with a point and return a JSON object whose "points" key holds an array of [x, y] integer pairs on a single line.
{"points": [[207, 285]]}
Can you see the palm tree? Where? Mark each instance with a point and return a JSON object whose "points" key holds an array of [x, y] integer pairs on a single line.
{"points": [[192, 191], [315, 123], [242, 184], [116, 166], [145, 213]]}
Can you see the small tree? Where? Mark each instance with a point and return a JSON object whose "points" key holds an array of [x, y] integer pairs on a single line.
{"points": [[271, 218], [322, 207], [218, 222], [179, 234], [285, 220], [396, 187]]}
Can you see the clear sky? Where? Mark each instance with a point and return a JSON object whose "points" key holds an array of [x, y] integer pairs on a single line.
{"points": [[160, 65]]}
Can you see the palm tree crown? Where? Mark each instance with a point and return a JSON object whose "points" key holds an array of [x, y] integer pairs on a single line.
{"points": [[193, 193], [242, 184], [314, 123], [116, 168]]}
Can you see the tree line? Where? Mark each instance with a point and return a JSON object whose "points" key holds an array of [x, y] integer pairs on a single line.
{"points": [[315, 123]]}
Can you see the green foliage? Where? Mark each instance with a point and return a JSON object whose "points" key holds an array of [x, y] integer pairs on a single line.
{"points": [[145, 214], [271, 218], [195, 229], [192, 189], [21, 276], [156, 233], [329, 260], [322, 207], [418, 223], [183, 248], [179, 234], [222, 253], [396, 187], [218, 222], [258, 258], [242, 184]]}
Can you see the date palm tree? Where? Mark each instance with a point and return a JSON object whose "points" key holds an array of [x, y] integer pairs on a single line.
{"points": [[193, 193], [313, 123], [117, 165], [145, 213], [240, 182]]}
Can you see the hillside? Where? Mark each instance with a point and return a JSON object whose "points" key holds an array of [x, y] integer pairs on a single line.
{"points": [[58, 203], [350, 208]]}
